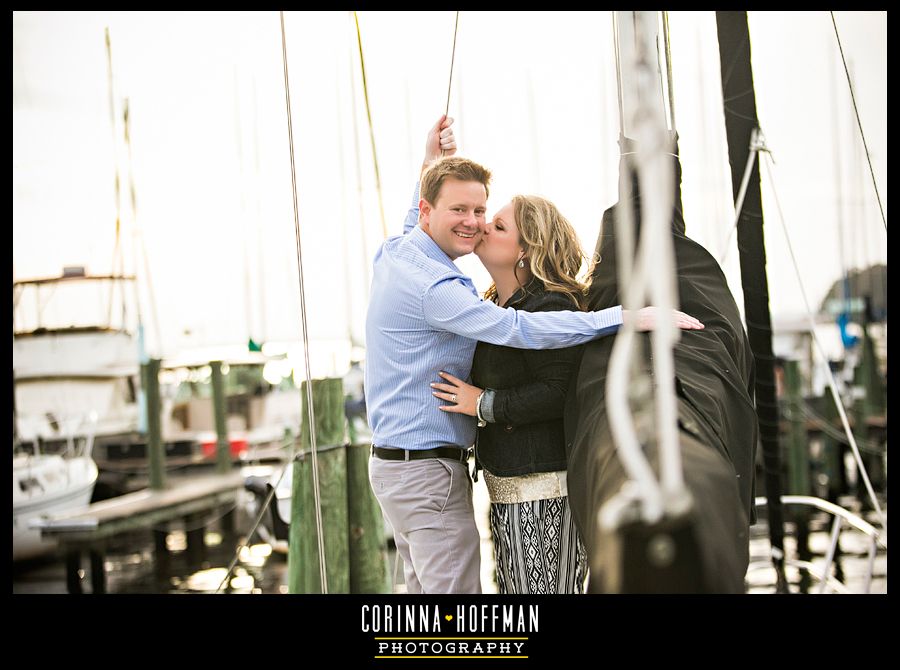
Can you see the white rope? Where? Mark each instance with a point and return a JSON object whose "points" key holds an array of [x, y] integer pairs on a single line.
{"points": [[840, 515], [829, 376], [656, 180], [311, 416], [852, 519], [653, 278]]}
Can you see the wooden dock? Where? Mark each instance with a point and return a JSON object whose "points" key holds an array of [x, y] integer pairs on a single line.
{"points": [[88, 530]]}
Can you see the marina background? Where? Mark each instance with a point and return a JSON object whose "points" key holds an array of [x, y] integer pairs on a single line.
{"points": [[534, 98], [208, 231]]}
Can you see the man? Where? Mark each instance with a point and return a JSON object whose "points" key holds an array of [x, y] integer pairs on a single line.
{"points": [[425, 317]]}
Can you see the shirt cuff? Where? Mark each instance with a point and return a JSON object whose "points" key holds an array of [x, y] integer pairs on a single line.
{"points": [[487, 406], [609, 318]]}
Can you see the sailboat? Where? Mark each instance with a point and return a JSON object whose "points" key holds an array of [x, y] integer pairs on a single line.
{"points": [[687, 531], [45, 484]]}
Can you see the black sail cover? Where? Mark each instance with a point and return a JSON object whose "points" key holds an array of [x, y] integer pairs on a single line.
{"points": [[717, 421]]}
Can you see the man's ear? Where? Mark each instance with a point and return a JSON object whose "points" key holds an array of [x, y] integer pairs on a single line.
{"points": [[424, 213]]}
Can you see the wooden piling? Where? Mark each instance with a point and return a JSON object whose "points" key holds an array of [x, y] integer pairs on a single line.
{"points": [[798, 463], [303, 555], [73, 568], [195, 534], [874, 400], [98, 571], [833, 450], [368, 556], [161, 554], [871, 402], [797, 443], [223, 447], [156, 453]]}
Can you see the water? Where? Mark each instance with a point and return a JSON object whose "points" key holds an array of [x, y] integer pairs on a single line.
{"points": [[131, 566]]}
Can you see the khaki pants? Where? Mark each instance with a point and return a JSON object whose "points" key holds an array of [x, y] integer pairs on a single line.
{"points": [[428, 503]]}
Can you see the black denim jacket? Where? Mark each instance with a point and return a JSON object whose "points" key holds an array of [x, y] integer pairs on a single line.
{"points": [[527, 434]]}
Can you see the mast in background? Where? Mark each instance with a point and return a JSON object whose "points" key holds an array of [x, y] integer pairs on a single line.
{"points": [[741, 121]]}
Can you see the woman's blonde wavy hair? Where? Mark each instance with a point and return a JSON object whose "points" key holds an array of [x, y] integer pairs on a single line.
{"points": [[551, 246]]}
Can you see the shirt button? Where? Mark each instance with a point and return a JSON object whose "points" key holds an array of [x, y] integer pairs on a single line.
{"points": [[508, 428]]}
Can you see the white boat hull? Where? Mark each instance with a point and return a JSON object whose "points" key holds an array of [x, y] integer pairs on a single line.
{"points": [[45, 485]]}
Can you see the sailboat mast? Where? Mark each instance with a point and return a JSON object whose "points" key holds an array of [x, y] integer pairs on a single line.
{"points": [[839, 204], [741, 121], [536, 185], [345, 227], [117, 251], [257, 219], [366, 275], [239, 144]]}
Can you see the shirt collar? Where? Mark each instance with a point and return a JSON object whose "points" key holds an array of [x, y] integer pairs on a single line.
{"points": [[429, 247]]}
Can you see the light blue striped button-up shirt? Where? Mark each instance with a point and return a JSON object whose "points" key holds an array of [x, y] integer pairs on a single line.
{"points": [[426, 316]]}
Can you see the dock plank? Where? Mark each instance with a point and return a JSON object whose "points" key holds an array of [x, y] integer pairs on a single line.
{"points": [[142, 508]]}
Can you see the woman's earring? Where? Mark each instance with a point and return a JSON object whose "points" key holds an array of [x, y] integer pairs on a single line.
{"points": [[521, 263]]}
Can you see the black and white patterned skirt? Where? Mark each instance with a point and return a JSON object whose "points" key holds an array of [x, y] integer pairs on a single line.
{"points": [[537, 548]]}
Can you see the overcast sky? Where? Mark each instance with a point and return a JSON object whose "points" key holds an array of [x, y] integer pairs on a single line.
{"points": [[534, 97]]}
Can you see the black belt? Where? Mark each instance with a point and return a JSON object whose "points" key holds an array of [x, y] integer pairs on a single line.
{"points": [[452, 453]]}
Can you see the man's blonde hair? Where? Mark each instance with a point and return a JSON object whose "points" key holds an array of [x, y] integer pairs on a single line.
{"points": [[453, 167]]}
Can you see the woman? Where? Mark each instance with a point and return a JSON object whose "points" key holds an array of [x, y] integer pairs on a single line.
{"points": [[533, 256]]}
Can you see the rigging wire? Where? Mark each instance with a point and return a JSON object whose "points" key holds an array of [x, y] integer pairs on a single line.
{"points": [[616, 47], [829, 376], [309, 388], [452, 60], [259, 517], [362, 65], [669, 81], [757, 144], [869, 446], [858, 121]]}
